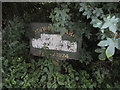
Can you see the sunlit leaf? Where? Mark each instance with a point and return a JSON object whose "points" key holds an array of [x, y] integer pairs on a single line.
{"points": [[110, 50]]}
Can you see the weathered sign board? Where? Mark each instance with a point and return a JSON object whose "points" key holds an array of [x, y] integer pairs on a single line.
{"points": [[60, 46]]}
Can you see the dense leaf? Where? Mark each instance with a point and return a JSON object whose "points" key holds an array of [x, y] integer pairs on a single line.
{"points": [[103, 43], [102, 56], [110, 50]]}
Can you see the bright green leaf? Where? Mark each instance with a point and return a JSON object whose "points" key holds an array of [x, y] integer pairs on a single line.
{"points": [[110, 58], [110, 50], [102, 56]]}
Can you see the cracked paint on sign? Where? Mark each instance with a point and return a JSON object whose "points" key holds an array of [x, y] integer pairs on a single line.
{"points": [[54, 42]]}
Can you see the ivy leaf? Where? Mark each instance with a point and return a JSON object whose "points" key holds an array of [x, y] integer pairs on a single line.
{"points": [[103, 43], [96, 22], [99, 50], [81, 9], [97, 12], [85, 13], [113, 28], [88, 16], [102, 56], [48, 84], [45, 69], [105, 25], [110, 23], [43, 78], [77, 78], [110, 58], [110, 50]]}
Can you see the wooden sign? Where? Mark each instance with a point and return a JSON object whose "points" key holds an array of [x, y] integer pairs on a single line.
{"points": [[60, 46]]}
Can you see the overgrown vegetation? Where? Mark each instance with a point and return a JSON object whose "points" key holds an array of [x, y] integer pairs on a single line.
{"points": [[94, 23]]}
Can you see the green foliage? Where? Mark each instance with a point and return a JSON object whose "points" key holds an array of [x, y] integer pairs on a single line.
{"points": [[61, 18], [111, 23], [13, 41], [47, 73], [52, 74], [106, 23], [103, 25], [93, 23]]}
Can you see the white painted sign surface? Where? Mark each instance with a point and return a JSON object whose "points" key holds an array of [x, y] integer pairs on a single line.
{"points": [[54, 42]]}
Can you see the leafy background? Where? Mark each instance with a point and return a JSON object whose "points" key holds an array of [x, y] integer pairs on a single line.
{"points": [[96, 24]]}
